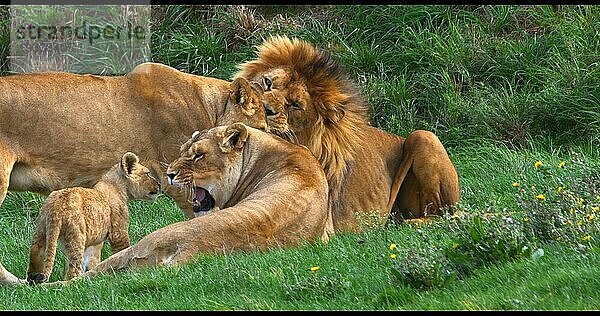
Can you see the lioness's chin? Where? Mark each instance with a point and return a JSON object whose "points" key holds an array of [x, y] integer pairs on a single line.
{"points": [[202, 213]]}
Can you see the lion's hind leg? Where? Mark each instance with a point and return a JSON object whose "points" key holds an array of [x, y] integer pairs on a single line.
{"points": [[74, 249], [427, 180]]}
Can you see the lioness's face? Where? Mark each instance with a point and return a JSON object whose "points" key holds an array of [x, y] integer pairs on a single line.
{"points": [[287, 104], [244, 105], [209, 167], [276, 110]]}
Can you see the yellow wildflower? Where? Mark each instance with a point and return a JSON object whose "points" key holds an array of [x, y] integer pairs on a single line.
{"points": [[579, 223], [315, 268], [526, 219], [567, 222], [591, 217], [580, 202], [537, 164], [560, 189], [587, 237], [595, 209], [540, 197], [392, 246], [561, 164], [455, 245], [516, 184], [393, 255], [571, 211]]}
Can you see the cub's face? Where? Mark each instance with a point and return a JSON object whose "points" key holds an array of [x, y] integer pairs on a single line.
{"points": [[209, 167], [140, 183]]}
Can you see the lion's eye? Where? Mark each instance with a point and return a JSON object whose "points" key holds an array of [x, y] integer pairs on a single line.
{"points": [[295, 106], [268, 84], [198, 156]]}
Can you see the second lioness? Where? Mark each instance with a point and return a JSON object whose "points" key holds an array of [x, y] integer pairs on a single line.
{"points": [[271, 193], [60, 130]]}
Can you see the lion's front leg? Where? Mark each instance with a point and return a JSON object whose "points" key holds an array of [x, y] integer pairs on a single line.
{"points": [[149, 252], [91, 256], [6, 165], [8, 278]]}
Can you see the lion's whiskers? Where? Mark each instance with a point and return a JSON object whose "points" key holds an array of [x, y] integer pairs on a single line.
{"points": [[286, 134], [291, 136]]}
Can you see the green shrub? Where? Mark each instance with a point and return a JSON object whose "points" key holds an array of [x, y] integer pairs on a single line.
{"points": [[562, 202]]}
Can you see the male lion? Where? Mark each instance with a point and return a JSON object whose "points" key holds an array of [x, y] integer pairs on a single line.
{"points": [[270, 192], [61, 130], [82, 218], [367, 168]]}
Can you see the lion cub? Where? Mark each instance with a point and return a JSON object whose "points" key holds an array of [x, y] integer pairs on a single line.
{"points": [[82, 218]]}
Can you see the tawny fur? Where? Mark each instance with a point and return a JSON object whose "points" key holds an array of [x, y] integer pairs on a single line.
{"points": [[83, 218], [271, 193], [368, 169], [60, 130]]}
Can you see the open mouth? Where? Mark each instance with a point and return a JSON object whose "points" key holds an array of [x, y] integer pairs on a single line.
{"points": [[203, 201]]}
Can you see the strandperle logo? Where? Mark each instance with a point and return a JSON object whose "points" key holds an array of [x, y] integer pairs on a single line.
{"points": [[85, 31], [90, 39]]}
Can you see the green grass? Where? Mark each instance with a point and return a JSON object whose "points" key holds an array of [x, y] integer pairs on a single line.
{"points": [[502, 86], [354, 269]]}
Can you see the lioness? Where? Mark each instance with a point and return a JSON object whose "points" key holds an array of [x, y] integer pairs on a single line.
{"points": [[61, 130], [82, 218], [368, 169], [270, 193]]}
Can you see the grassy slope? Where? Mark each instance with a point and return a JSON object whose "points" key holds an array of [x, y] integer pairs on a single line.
{"points": [[501, 86]]}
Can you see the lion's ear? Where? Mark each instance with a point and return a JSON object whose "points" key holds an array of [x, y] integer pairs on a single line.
{"points": [[335, 115], [128, 161], [240, 92], [236, 135]]}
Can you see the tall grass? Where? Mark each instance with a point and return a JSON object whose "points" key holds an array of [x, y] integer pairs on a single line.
{"points": [[502, 73]]}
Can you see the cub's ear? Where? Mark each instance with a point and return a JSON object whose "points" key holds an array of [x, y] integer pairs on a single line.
{"points": [[235, 136], [240, 93], [128, 161]]}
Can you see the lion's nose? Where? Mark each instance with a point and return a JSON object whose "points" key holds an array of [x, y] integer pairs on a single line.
{"points": [[270, 112], [171, 176]]}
